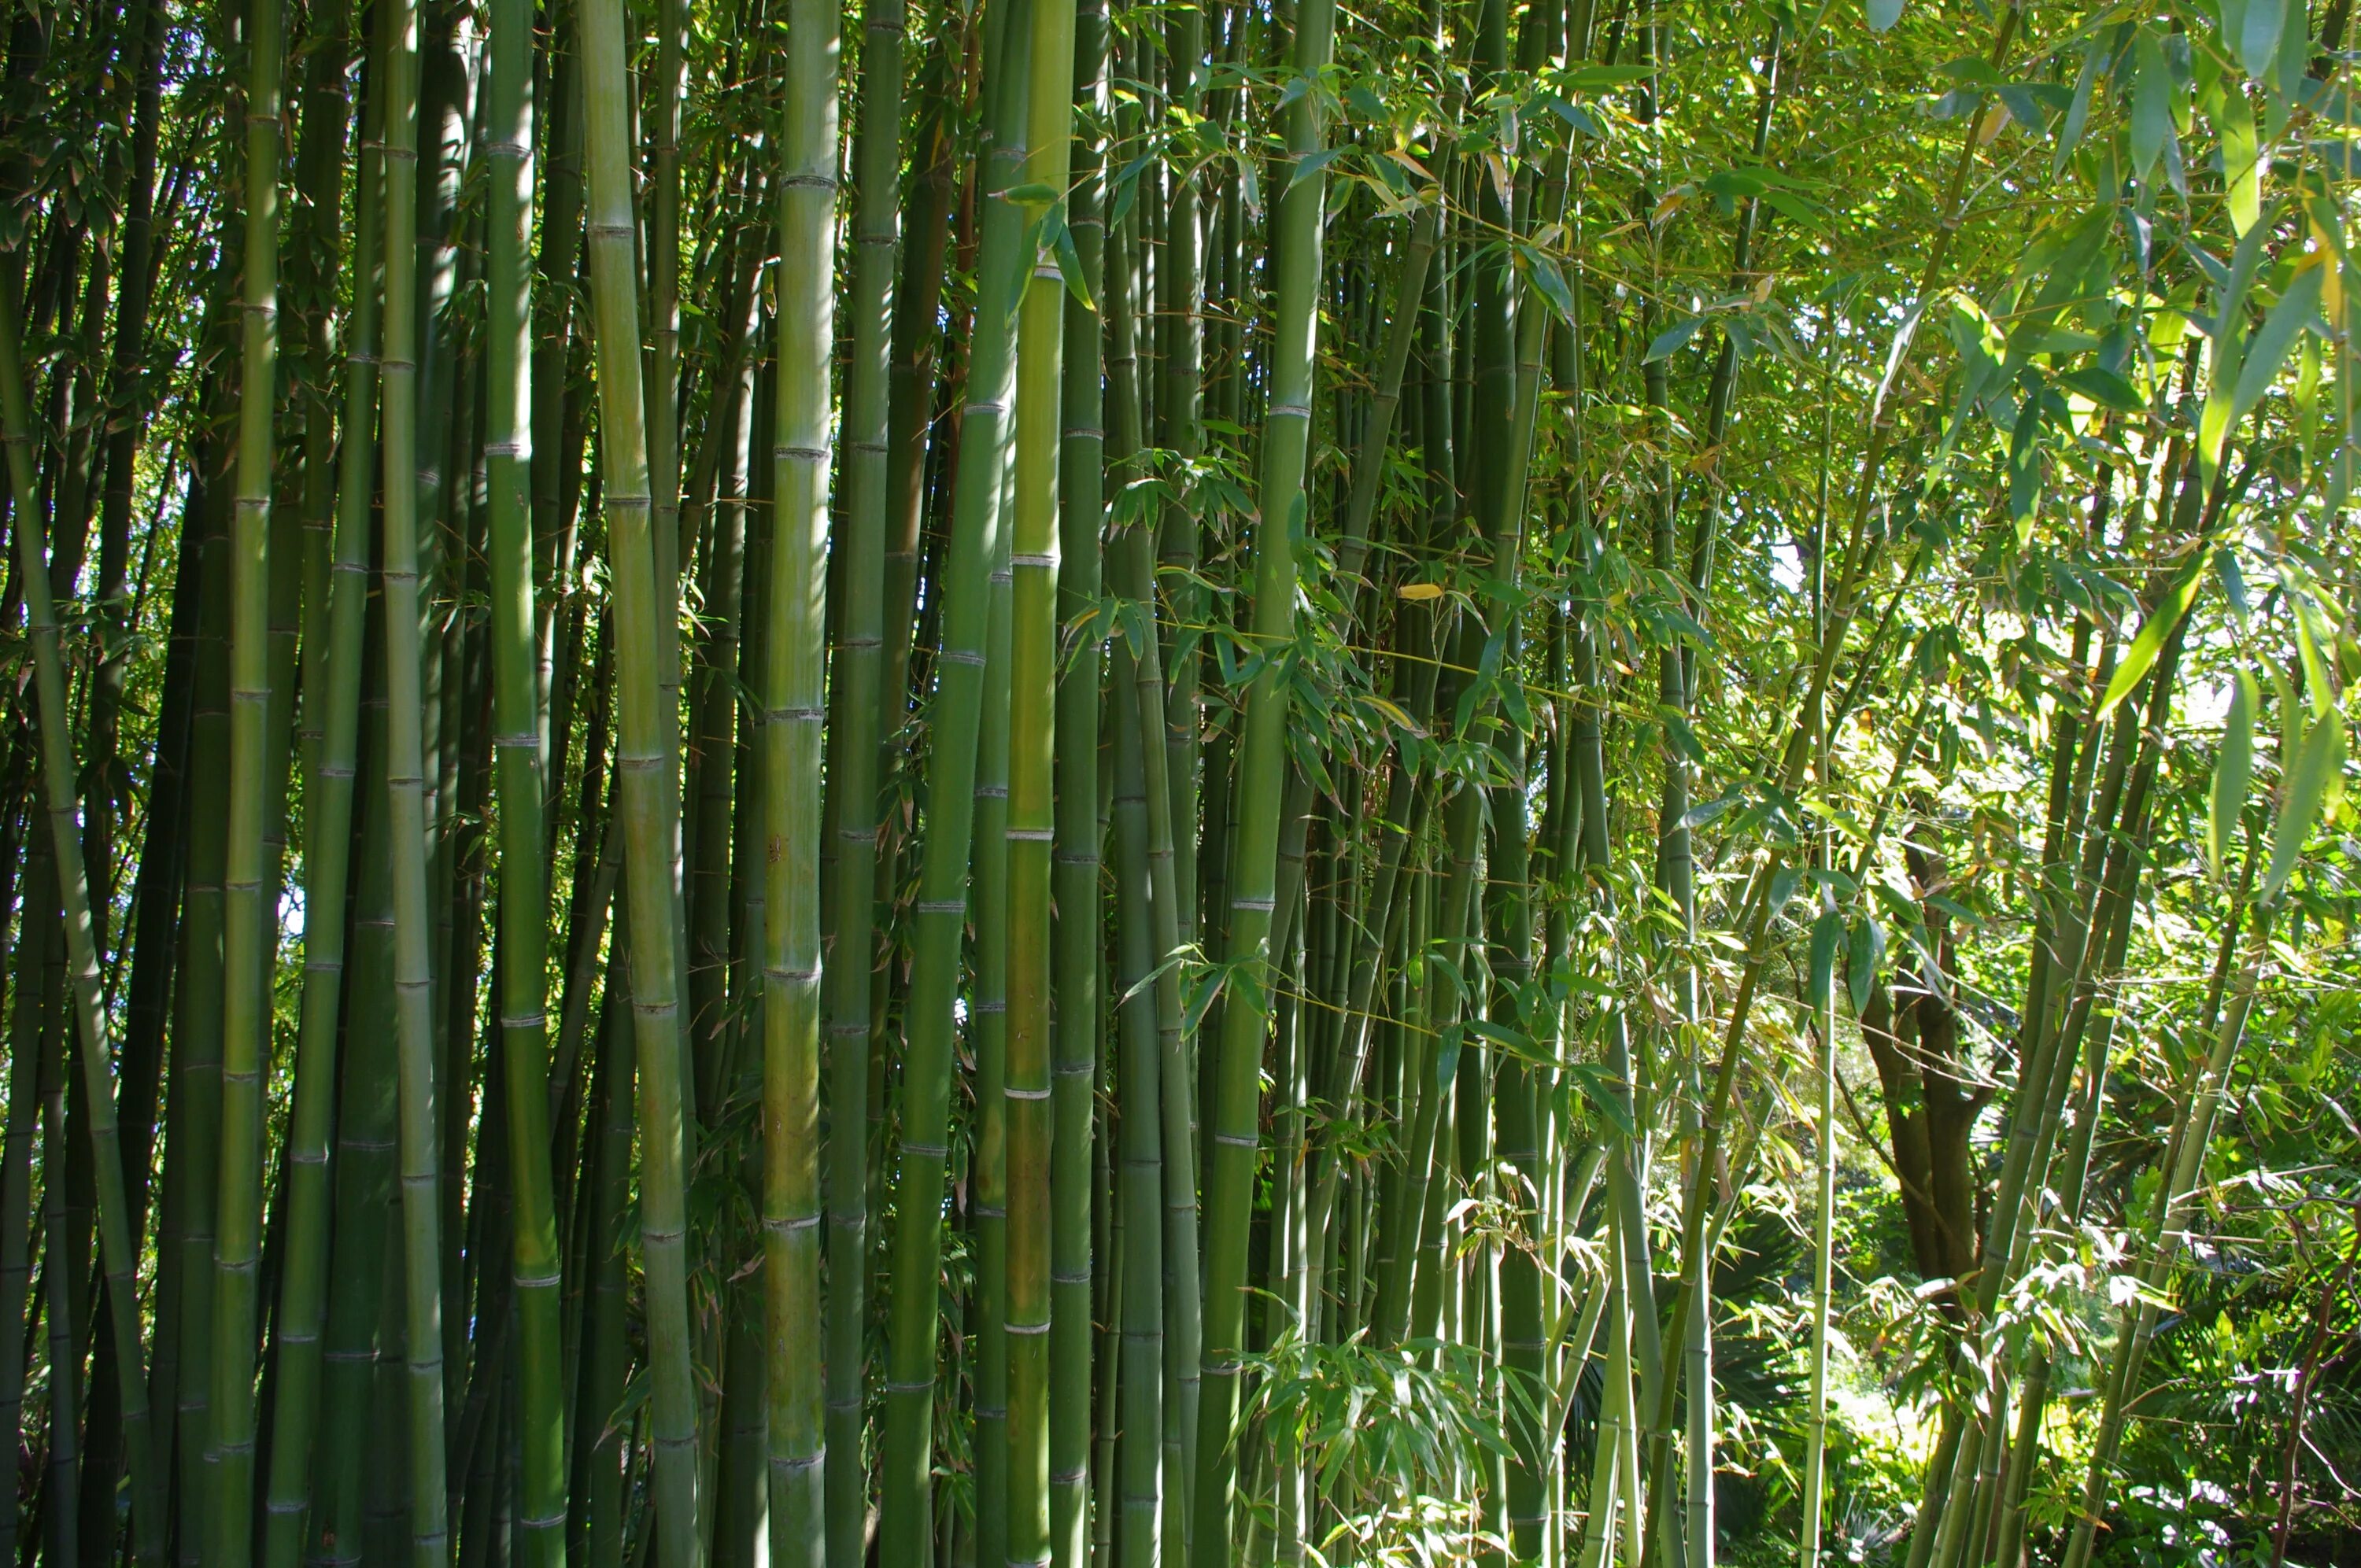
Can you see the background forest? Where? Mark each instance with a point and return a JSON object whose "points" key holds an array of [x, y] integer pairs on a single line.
{"points": [[1154, 782]]}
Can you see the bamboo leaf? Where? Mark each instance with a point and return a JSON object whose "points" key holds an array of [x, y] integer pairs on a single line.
{"points": [[2077, 113], [2106, 388], [2320, 756], [1698, 816], [2257, 37], [2230, 305], [1600, 1092], [2233, 772], [2241, 165], [1866, 951], [2145, 647], [2233, 586], [2152, 103], [1551, 281], [1671, 339], [2268, 351], [1883, 13]]}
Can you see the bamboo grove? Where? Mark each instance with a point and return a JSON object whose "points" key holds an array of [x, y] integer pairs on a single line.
{"points": [[1120, 782]]}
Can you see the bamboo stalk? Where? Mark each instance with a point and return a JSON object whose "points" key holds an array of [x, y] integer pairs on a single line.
{"points": [[1076, 1051], [519, 715], [249, 930], [644, 786], [407, 845], [857, 695], [905, 1458], [332, 702], [794, 706], [1032, 822], [1229, 1165], [117, 1255]]}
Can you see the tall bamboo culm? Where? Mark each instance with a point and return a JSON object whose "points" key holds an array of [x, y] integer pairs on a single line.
{"points": [[644, 780], [794, 706], [861, 710], [1245, 1018], [249, 915], [519, 716], [906, 1481], [418, 1155]]}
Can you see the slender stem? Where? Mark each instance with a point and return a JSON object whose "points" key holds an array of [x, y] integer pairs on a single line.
{"points": [[643, 734]]}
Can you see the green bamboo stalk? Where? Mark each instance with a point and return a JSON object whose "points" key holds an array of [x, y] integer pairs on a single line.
{"points": [[1179, 409], [857, 696], [419, 1158], [1824, 1016], [988, 1041], [1607, 1492], [1134, 570], [332, 703], [906, 1460], [645, 786], [118, 1256], [517, 720], [16, 1152], [1032, 762], [598, 1445], [1081, 949], [794, 701], [1144, 1481], [363, 1166], [1230, 1162], [910, 402], [60, 1497], [249, 908]]}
